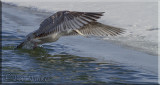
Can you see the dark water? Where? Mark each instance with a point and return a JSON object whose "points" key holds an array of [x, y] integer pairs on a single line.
{"points": [[52, 63]]}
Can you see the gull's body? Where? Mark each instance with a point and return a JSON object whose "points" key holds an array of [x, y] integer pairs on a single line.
{"points": [[65, 23]]}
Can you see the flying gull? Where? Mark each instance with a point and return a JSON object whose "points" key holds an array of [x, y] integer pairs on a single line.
{"points": [[66, 23]]}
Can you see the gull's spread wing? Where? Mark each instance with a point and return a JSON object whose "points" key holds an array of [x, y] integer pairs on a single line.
{"points": [[66, 20]]}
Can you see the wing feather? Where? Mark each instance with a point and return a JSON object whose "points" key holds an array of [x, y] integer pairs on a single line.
{"points": [[98, 29], [66, 20]]}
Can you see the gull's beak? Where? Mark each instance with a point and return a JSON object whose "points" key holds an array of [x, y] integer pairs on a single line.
{"points": [[26, 44], [20, 45]]}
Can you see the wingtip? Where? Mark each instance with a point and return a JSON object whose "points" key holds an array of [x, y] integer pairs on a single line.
{"points": [[101, 12]]}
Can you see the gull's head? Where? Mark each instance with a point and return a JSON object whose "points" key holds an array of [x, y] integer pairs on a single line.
{"points": [[28, 43]]}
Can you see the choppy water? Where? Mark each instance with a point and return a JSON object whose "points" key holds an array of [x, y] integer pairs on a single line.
{"points": [[52, 63]]}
